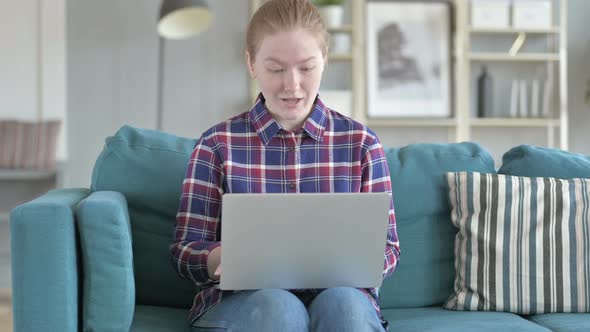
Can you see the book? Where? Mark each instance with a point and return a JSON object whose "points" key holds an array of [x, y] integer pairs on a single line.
{"points": [[49, 150], [535, 98], [18, 145], [547, 95], [514, 99], [28, 144], [523, 98], [5, 144]]}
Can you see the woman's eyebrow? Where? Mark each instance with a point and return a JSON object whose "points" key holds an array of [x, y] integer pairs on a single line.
{"points": [[281, 63]]}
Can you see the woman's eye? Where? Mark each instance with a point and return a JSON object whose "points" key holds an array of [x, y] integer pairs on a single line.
{"points": [[306, 69], [276, 70]]}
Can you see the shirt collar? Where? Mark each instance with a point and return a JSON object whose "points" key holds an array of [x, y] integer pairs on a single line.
{"points": [[267, 127]]}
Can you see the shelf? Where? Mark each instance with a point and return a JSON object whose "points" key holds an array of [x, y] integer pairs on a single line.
{"points": [[481, 56], [344, 29], [22, 174], [514, 122], [340, 57], [411, 122], [552, 30]]}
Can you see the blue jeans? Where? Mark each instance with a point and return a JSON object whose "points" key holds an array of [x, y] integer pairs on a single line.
{"points": [[334, 309]]}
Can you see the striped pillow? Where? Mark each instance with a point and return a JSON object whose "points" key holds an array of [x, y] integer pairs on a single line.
{"points": [[523, 244]]}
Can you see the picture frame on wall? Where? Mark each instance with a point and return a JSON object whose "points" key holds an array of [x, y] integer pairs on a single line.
{"points": [[408, 58]]}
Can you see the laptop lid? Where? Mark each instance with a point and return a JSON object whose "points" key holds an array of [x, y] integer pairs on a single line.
{"points": [[305, 240]]}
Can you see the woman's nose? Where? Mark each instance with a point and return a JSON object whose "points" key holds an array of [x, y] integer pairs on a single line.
{"points": [[291, 80]]}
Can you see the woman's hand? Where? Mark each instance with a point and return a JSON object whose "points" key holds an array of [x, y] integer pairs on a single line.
{"points": [[214, 263]]}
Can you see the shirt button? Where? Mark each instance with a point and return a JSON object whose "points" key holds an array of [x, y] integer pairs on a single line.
{"points": [[291, 185], [291, 148]]}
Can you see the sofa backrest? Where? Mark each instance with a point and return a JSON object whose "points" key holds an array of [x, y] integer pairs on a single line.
{"points": [[148, 167], [534, 161], [425, 272]]}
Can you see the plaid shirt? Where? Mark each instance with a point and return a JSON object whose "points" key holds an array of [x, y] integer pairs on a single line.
{"points": [[251, 153]]}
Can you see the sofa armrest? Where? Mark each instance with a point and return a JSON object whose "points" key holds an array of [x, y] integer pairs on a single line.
{"points": [[45, 262], [108, 301]]}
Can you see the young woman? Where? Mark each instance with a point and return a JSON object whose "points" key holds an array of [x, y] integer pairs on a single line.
{"points": [[288, 142]]}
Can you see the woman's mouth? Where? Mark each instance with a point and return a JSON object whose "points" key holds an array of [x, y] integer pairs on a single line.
{"points": [[291, 102]]}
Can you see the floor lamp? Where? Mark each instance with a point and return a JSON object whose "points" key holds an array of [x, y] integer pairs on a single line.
{"points": [[179, 19]]}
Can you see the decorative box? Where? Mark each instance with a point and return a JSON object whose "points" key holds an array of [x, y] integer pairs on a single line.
{"points": [[490, 13], [531, 14]]}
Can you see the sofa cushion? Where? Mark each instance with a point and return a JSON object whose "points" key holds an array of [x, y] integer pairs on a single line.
{"points": [[44, 263], [528, 160], [522, 243], [159, 319], [563, 322], [441, 320], [148, 167], [424, 275], [108, 295]]}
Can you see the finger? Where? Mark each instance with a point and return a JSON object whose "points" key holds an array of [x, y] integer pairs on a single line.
{"points": [[218, 271]]}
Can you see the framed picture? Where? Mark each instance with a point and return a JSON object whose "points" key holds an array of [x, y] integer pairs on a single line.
{"points": [[408, 59]]}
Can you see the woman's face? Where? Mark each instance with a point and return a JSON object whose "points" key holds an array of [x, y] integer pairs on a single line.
{"points": [[288, 67]]}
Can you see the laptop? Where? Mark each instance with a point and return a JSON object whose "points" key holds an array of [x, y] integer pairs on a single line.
{"points": [[306, 240]]}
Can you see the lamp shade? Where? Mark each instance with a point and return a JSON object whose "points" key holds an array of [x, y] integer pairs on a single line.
{"points": [[180, 19]]}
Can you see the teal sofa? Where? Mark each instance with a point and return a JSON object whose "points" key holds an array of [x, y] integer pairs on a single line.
{"points": [[96, 259]]}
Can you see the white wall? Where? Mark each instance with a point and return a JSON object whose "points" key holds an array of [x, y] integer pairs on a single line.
{"points": [[32, 62], [112, 61], [205, 78], [18, 59], [53, 40], [579, 75], [112, 74]]}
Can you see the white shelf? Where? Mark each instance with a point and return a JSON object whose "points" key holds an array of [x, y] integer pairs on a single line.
{"points": [[411, 122], [18, 174], [343, 29], [514, 122], [340, 57], [552, 30], [554, 58], [485, 56]]}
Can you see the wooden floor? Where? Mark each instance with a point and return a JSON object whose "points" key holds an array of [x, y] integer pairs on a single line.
{"points": [[5, 311], [5, 277]]}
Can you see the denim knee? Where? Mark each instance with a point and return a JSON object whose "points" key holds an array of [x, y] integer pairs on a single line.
{"points": [[277, 310], [255, 311], [343, 309]]}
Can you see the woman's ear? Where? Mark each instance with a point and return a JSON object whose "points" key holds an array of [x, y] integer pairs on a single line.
{"points": [[250, 65]]}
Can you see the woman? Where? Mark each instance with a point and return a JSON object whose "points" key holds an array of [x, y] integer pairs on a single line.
{"points": [[289, 142]]}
